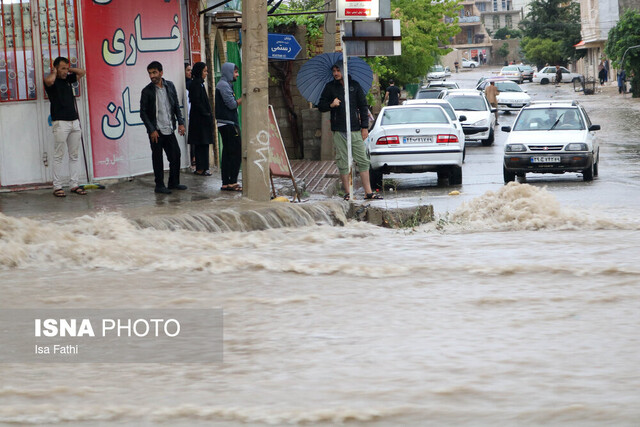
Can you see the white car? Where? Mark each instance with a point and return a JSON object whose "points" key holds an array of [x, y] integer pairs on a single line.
{"points": [[467, 63], [512, 97], [438, 72], [457, 121], [415, 139], [551, 137], [479, 114], [512, 72], [548, 75]]}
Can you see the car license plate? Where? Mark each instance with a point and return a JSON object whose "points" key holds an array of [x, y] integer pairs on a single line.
{"points": [[545, 159], [418, 140], [516, 105]]}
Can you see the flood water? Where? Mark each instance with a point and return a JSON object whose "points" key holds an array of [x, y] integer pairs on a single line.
{"points": [[520, 306]]}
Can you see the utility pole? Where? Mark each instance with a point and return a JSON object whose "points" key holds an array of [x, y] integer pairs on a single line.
{"points": [[255, 101], [329, 45]]}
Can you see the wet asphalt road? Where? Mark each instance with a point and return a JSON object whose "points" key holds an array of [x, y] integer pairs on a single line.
{"points": [[616, 188]]}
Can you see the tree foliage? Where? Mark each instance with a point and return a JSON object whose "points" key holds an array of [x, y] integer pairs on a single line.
{"points": [[504, 50], [423, 32], [554, 23], [507, 33], [624, 35]]}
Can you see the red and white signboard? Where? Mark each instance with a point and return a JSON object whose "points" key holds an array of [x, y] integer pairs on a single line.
{"points": [[121, 38], [357, 9]]}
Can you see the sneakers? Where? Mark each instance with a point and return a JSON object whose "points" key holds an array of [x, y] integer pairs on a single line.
{"points": [[162, 190], [178, 187]]}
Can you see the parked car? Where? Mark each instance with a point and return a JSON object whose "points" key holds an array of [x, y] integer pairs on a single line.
{"points": [[548, 75], [513, 72], [443, 83], [551, 137], [431, 93], [511, 97], [479, 114], [468, 63], [527, 72], [457, 121], [438, 72], [415, 139]]}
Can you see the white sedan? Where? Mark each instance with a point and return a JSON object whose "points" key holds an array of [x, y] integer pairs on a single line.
{"points": [[479, 114], [415, 139], [551, 137], [512, 96], [548, 75], [468, 63]]}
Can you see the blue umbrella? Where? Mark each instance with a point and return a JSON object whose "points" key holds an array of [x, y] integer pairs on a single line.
{"points": [[316, 73]]}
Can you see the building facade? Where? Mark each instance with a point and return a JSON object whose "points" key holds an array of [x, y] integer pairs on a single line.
{"points": [[473, 40]]}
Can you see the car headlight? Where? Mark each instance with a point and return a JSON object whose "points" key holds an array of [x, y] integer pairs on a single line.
{"points": [[510, 148], [482, 122], [576, 146]]}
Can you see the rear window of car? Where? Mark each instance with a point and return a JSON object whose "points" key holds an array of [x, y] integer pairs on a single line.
{"points": [[429, 94], [514, 68], [400, 116], [467, 103], [549, 119]]}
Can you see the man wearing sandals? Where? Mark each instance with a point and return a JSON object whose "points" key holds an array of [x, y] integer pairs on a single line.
{"points": [[159, 111], [65, 123], [332, 99]]}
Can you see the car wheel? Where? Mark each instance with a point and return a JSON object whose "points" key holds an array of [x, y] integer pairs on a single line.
{"points": [[489, 141], [508, 175], [455, 176], [587, 174], [473, 65], [442, 175], [576, 80], [544, 81], [595, 165], [531, 80], [375, 178]]}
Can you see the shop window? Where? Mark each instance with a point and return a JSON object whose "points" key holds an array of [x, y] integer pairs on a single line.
{"points": [[17, 71], [58, 30]]}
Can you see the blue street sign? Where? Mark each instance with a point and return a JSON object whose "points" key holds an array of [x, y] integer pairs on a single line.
{"points": [[283, 46]]}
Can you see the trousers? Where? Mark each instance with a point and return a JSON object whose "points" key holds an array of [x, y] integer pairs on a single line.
{"points": [[66, 134], [231, 154], [168, 144]]}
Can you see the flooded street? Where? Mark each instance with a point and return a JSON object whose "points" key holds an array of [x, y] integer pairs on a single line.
{"points": [[519, 305]]}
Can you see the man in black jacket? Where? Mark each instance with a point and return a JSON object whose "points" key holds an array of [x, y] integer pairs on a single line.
{"points": [[332, 99], [159, 111]]}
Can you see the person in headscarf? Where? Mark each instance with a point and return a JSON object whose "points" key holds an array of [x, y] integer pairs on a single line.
{"points": [[229, 127], [200, 119]]}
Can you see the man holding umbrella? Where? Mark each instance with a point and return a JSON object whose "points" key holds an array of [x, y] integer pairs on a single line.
{"points": [[332, 99]]}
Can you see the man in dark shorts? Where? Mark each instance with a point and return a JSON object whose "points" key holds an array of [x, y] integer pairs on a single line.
{"points": [[392, 97], [65, 123]]}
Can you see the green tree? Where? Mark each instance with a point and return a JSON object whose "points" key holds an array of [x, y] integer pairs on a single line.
{"points": [[554, 23], [624, 35], [423, 33], [503, 52], [541, 51], [507, 33]]}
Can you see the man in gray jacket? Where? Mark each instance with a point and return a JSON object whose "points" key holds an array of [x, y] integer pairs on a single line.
{"points": [[229, 127]]}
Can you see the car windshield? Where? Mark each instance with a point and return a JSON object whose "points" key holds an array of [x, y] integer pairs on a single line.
{"points": [[437, 68], [513, 68], [467, 103], [535, 119], [401, 116], [428, 94], [508, 87]]}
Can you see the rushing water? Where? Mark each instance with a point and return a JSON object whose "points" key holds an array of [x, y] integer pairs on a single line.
{"points": [[514, 309]]}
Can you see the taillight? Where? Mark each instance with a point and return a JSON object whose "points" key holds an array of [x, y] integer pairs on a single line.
{"points": [[386, 140], [446, 138]]}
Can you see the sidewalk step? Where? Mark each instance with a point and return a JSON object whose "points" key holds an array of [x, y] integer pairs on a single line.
{"points": [[319, 175]]}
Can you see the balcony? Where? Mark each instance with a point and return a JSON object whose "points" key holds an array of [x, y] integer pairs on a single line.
{"points": [[474, 20]]}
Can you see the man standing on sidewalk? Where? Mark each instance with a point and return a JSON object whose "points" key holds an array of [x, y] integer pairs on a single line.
{"points": [[159, 111], [492, 92], [65, 123], [332, 99]]}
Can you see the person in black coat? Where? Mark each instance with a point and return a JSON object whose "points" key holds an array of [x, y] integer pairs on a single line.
{"points": [[200, 119]]}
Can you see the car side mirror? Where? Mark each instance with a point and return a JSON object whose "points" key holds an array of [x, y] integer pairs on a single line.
{"points": [[594, 127], [525, 91], [506, 128], [462, 118]]}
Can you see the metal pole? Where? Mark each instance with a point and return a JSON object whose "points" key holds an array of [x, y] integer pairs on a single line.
{"points": [[345, 79]]}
